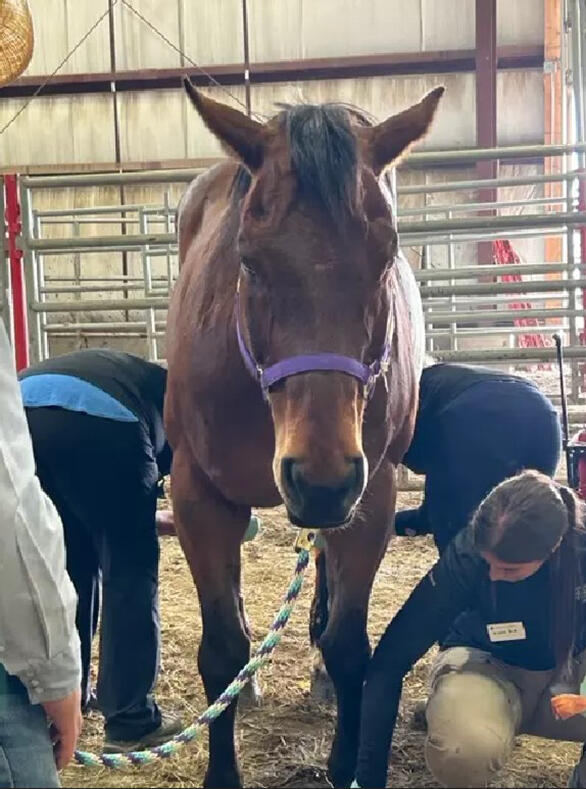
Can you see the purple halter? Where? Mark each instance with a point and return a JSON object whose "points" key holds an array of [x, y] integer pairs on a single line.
{"points": [[310, 362]]}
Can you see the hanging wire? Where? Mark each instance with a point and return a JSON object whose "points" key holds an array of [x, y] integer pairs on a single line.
{"points": [[150, 25], [63, 62], [177, 49]]}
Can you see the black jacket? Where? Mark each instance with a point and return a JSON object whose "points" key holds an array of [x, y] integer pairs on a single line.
{"points": [[457, 589], [439, 386], [137, 384]]}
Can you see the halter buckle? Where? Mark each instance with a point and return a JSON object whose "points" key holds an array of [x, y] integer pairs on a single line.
{"points": [[305, 540]]}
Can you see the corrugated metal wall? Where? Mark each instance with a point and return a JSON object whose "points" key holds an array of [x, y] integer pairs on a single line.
{"points": [[161, 126], [158, 125]]}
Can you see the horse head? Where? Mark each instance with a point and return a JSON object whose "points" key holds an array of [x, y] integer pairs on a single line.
{"points": [[316, 244]]}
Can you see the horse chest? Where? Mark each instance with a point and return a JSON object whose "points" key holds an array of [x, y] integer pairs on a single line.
{"points": [[235, 447]]}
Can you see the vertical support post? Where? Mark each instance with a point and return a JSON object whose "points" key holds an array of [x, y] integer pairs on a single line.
{"points": [[577, 75], [453, 303], [117, 144], [36, 263], [552, 110], [5, 307], [246, 58], [33, 264], [582, 207], [14, 226], [486, 128], [553, 135], [571, 298], [150, 322]]}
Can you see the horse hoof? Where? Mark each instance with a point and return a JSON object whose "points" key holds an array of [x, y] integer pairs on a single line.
{"points": [[250, 695], [322, 688]]}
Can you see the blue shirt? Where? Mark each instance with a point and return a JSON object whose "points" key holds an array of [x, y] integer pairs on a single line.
{"points": [[72, 394]]}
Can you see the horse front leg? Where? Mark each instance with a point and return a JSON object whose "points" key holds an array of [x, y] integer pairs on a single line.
{"points": [[210, 531], [352, 559]]}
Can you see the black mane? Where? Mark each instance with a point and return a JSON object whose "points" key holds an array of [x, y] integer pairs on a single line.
{"points": [[323, 154]]}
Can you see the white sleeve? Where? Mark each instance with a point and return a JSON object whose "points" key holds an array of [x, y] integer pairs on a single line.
{"points": [[38, 637]]}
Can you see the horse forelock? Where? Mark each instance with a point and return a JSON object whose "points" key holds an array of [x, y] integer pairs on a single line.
{"points": [[324, 156]]}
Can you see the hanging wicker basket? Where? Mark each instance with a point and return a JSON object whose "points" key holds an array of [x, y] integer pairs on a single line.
{"points": [[16, 39]]}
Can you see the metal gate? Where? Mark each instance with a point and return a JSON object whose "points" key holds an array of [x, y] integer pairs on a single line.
{"points": [[469, 314]]}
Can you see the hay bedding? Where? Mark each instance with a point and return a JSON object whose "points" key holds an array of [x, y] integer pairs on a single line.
{"points": [[284, 742]]}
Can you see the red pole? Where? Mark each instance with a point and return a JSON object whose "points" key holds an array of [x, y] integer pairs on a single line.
{"points": [[19, 317]]}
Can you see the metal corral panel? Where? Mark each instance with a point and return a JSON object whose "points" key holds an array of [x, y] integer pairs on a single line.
{"points": [[531, 250], [98, 264], [309, 29], [137, 46], [58, 130], [454, 126], [213, 32], [59, 25]]}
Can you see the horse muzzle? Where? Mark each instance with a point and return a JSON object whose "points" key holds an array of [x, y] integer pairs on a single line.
{"points": [[319, 505]]}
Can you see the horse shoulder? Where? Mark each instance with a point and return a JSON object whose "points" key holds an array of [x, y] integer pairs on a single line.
{"points": [[202, 203], [408, 302], [409, 351]]}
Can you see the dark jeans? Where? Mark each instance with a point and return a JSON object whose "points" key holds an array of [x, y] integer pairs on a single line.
{"points": [[491, 431], [26, 753], [102, 476]]}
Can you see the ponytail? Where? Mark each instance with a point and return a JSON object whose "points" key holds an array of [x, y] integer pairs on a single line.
{"points": [[566, 579]]}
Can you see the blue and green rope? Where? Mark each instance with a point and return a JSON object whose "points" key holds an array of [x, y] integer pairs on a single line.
{"points": [[260, 657]]}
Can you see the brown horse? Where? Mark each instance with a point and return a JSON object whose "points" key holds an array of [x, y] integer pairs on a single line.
{"points": [[294, 350]]}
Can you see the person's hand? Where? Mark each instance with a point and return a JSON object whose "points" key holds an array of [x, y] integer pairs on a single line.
{"points": [[66, 723], [566, 705], [165, 522]]}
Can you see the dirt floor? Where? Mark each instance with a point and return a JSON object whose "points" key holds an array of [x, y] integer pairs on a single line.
{"points": [[285, 741]]}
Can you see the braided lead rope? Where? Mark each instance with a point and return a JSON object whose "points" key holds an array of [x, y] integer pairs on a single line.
{"points": [[260, 657]]}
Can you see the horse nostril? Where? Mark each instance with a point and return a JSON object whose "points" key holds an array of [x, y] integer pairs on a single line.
{"points": [[290, 475], [355, 479], [298, 487]]}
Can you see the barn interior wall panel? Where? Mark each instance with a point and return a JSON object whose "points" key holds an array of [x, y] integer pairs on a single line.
{"points": [[213, 31], [291, 29], [58, 130], [59, 25]]}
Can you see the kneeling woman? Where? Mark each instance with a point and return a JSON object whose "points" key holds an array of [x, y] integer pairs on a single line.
{"points": [[512, 585]]}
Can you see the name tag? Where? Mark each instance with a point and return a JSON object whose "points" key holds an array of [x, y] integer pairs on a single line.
{"points": [[506, 631]]}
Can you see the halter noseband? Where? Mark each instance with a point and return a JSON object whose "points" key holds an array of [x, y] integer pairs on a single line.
{"points": [[367, 374]]}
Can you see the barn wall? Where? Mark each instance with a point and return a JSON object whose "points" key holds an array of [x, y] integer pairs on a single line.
{"points": [[158, 125], [161, 125]]}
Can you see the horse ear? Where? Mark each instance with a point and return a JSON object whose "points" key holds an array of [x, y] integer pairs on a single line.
{"points": [[389, 139], [235, 130]]}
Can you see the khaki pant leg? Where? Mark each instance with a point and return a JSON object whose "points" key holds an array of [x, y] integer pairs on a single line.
{"points": [[543, 723], [472, 715]]}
